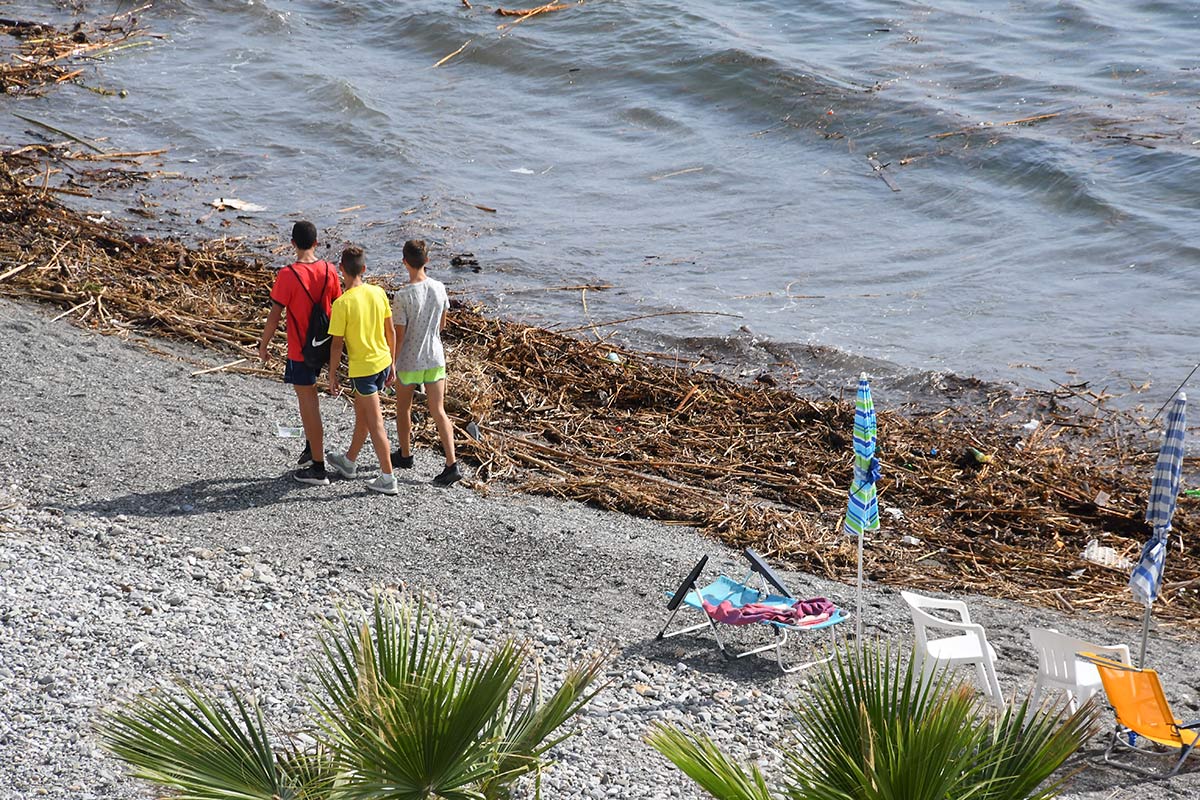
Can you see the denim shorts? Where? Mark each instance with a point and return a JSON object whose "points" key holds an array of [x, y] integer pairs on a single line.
{"points": [[371, 384], [298, 373]]}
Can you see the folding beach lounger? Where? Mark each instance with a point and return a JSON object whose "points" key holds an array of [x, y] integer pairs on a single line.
{"points": [[741, 595], [1141, 708]]}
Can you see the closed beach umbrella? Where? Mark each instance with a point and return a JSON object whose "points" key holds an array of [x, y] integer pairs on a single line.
{"points": [[1164, 491], [862, 514]]}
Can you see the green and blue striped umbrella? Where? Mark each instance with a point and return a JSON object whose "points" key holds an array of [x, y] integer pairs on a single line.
{"points": [[862, 513]]}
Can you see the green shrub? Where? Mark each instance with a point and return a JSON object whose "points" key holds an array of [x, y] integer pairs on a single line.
{"points": [[875, 729], [408, 713]]}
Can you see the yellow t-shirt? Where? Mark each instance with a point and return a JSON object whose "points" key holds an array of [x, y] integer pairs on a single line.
{"points": [[359, 316]]}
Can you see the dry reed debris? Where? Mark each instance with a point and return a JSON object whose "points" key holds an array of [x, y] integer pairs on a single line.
{"points": [[752, 464], [43, 54]]}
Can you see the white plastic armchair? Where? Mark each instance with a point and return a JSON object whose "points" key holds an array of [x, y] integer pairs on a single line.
{"points": [[968, 645], [1059, 666]]}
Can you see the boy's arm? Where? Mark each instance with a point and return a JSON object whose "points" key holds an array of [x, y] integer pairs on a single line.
{"points": [[389, 332], [269, 331], [445, 314], [335, 361]]}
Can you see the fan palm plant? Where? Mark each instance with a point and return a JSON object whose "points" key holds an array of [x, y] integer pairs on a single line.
{"points": [[876, 729], [408, 713]]}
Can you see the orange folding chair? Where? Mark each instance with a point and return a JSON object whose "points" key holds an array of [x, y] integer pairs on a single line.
{"points": [[1137, 699]]}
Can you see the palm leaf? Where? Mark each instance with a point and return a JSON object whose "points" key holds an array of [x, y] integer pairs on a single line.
{"points": [[1027, 745], [876, 728], [410, 714], [312, 769], [705, 763], [200, 747], [532, 721]]}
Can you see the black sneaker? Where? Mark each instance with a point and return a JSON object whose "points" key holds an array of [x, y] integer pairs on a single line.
{"points": [[314, 474], [401, 462], [448, 476], [305, 459]]}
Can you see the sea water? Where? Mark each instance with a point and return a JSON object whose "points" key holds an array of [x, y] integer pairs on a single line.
{"points": [[711, 156]]}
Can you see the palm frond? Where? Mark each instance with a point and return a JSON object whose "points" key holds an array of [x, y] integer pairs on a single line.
{"points": [[312, 769], [705, 763], [1027, 745], [200, 747], [532, 721], [877, 728], [410, 713]]}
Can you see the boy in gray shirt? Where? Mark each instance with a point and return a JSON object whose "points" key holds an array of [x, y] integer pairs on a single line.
{"points": [[419, 314]]}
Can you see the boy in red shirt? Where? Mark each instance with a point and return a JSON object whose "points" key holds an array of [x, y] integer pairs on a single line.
{"points": [[298, 287]]}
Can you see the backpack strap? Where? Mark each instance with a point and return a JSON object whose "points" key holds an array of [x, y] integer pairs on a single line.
{"points": [[324, 286], [324, 283]]}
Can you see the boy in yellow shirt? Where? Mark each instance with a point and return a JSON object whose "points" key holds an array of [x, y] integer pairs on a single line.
{"points": [[361, 321]]}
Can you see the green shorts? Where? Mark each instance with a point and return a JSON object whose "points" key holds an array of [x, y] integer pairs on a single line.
{"points": [[421, 376]]}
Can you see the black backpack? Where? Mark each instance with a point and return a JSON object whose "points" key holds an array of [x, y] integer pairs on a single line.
{"points": [[316, 336]]}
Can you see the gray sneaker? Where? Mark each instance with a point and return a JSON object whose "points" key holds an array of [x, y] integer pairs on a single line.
{"points": [[384, 484], [341, 465]]}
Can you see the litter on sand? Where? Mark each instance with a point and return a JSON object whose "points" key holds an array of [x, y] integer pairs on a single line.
{"points": [[286, 432], [1106, 557]]}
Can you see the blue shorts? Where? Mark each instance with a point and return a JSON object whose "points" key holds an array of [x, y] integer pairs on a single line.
{"points": [[371, 384], [298, 373]]}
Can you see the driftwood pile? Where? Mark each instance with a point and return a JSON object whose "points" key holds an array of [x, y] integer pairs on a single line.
{"points": [[38, 57], [971, 501]]}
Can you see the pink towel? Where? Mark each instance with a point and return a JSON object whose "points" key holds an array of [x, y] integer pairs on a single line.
{"points": [[815, 607], [804, 612], [729, 614]]}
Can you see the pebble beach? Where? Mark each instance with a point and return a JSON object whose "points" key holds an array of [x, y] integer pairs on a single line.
{"points": [[150, 532]]}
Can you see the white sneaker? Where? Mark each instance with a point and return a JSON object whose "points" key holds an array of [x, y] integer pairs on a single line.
{"points": [[384, 484], [341, 465]]}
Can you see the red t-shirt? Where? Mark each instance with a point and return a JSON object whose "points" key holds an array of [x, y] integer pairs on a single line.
{"points": [[290, 294]]}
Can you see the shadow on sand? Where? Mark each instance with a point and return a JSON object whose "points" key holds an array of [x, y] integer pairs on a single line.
{"points": [[211, 496]]}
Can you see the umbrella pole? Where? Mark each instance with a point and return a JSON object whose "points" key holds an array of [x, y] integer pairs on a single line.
{"points": [[1145, 635], [858, 622]]}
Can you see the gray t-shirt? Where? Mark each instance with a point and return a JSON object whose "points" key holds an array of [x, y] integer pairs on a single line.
{"points": [[419, 308]]}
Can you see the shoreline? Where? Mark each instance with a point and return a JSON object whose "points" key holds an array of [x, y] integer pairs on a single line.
{"points": [[750, 463], [150, 530]]}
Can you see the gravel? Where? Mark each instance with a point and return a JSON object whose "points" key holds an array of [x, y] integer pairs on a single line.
{"points": [[150, 531]]}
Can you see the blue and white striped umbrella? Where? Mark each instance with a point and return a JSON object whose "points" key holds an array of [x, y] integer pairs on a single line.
{"points": [[862, 512], [1146, 579]]}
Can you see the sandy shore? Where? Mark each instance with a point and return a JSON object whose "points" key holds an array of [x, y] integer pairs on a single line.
{"points": [[149, 529]]}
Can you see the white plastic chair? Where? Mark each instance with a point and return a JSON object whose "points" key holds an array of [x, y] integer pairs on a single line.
{"points": [[969, 644], [1059, 666]]}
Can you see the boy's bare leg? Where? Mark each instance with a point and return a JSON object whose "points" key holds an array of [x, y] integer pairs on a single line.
{"points": [[310, 418], [404, 398], [436, 394], [361, 429], [370, 415]]}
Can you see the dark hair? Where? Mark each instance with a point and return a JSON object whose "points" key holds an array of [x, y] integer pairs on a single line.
{"points": [[304, 234], [353, 261], [416, 255]]}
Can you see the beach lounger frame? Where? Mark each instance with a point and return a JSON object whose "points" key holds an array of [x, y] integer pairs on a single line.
{"points": [[725, 588]]}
